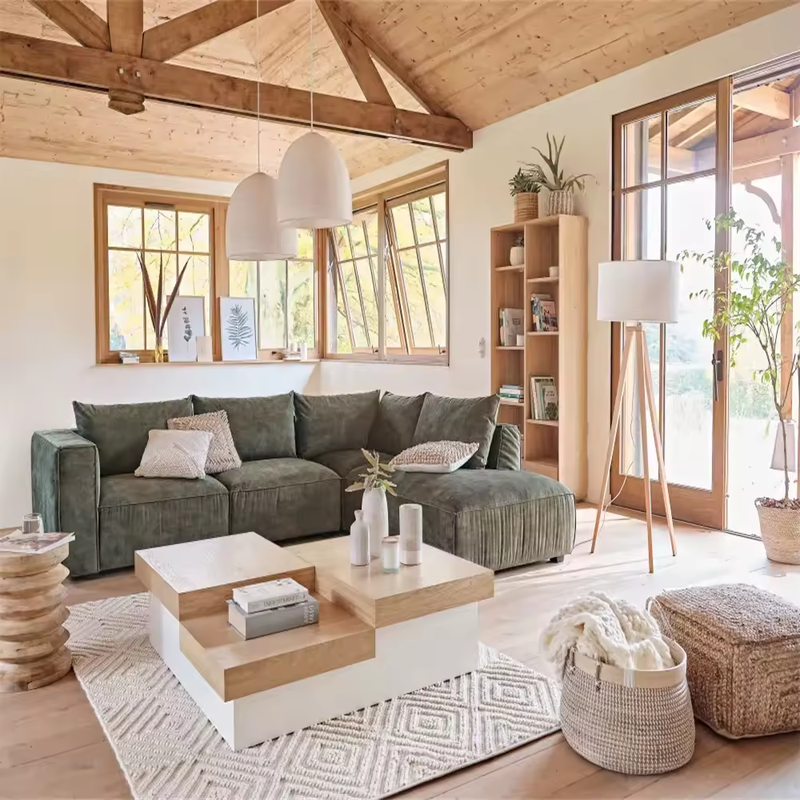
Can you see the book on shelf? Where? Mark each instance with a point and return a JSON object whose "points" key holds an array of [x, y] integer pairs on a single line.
{"points": [[543, 313], [272, 620], [544, 398], [512, 324], [33, 543], [511, 392], [270, 594]]}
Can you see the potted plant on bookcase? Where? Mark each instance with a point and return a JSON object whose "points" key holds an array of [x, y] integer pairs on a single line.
{"points": [[525, 187], [561, 199], [761, 293]]}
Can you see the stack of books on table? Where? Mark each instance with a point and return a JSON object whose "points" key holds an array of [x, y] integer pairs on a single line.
{"points": [[271, 607], [509, 391]]}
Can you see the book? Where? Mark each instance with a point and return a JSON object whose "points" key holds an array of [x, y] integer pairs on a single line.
{"points": [[272, 620], [550, 398], [543, 313], [32, 543], [270, 594], [512, 324], [539, 383]]}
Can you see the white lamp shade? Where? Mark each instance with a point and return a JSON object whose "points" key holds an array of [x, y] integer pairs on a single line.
{"points": [[778, 460], [638, 291], [313, 185], [252, 232]]}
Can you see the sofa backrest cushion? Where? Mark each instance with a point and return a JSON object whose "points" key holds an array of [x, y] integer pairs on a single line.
{"points": [[394, 426], [120, 430], [459, 419], [262, 427], [326, 423]]}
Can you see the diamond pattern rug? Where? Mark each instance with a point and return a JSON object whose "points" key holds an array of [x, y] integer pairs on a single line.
{"points": [[167, 748]]}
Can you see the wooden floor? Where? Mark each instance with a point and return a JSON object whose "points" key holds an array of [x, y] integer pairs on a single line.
{"points": [[51, 744]]}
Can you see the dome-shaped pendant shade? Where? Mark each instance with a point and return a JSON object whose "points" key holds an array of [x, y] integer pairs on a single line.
{"points": [[313, 185], [252, 231]]}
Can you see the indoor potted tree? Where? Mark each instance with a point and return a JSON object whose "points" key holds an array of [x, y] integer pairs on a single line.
{"points": [[760, 295], [525, 187], [561, 199]]}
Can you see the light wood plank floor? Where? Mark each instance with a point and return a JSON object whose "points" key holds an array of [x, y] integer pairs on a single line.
{"points": [[51, 744]]}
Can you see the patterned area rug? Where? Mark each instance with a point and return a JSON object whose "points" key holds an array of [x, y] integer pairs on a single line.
{"points": [[167, 748]]}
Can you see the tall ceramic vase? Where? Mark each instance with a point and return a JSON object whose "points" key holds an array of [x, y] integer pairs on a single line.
{"points": [[376, 515]]}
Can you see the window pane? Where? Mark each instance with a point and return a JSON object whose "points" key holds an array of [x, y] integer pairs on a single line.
{"points": [[159, 229], [372, 232], [358, 239], [272, 305], [641, 224], [125, 301], [415, 299], [305, 244], [440, 209], [692, 134], [391, 331], [641, 143], [436, 294], [301, 302], [196, 281], [243, 281], [124, 226], [342, 243], [193, 232], [370, 300], [354, 303], [401, 217], [423, 220], [154, 263]]}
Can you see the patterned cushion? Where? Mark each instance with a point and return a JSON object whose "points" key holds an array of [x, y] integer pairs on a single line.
{"points": [[435, 457], [222, 454], [175, 454]]}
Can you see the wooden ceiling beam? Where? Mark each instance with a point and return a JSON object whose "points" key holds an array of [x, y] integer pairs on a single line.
{"points": [[695, 132], [764, 100], [85, 68], [357, 56], [171, 38], [126, 26], [78, 20]]}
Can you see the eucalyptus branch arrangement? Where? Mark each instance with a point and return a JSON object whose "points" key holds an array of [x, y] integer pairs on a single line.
{"points": [[376, 477], [761, 293], [557, 181], [526, 181]]}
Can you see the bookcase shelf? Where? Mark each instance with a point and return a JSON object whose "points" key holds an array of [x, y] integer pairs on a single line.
{"points": [[556, 448]]}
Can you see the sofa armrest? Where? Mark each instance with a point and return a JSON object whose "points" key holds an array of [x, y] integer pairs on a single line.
{"points": [[65, 478], [505, 451]]}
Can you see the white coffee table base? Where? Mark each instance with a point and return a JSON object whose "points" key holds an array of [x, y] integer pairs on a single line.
{"points": [[408, 656]]}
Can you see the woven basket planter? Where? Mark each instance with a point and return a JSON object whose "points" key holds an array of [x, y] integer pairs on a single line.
{"points": [[526, 206], [561, 202], [632, 721], [780, 532]]}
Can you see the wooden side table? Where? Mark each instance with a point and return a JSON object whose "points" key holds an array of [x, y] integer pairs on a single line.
{"points": [[32, 613]]}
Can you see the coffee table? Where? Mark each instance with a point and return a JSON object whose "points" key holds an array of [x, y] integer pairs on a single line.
{"points": [[379, 634]]}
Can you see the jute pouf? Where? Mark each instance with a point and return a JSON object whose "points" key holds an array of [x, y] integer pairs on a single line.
{"points": [[743, 651]]}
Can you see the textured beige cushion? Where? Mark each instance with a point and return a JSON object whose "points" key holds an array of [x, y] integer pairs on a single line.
{"points": [[175, 454], [435, 457], [222, 454]]}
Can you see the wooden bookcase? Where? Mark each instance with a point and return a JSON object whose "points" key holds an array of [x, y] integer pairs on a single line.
{"points": [[553, 448]]}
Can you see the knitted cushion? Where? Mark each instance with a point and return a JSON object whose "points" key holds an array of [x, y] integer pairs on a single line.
{"points": [[222, 454], [435, 457]]}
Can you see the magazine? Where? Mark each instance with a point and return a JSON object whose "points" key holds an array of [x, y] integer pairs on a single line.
{"points": [[32, 543]]}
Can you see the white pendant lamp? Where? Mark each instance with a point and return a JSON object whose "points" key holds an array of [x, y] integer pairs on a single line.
{"points": [[314, 188], [252, 230]]}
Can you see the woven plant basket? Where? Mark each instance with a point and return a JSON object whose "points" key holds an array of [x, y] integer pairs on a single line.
{"points": [[526, 206], [780, 532], [561, 202], [631, 721]]}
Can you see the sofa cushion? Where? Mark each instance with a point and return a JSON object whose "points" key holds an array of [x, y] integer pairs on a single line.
{"points": [[326, 423], [394, 426], [120, 431], [457, 419], [506, 448], [137, 513], [262, 427], [283, 498]]}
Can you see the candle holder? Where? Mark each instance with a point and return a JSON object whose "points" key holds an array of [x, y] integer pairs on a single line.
{"points": [[390, 554]]}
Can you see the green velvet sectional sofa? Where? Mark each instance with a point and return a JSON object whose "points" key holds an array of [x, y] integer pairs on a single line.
{"points": [[299, 453]]}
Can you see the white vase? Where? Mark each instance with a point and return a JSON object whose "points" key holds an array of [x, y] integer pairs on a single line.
{"points": [[376, 515], [517, 255], [359, 541], [411, 534]]}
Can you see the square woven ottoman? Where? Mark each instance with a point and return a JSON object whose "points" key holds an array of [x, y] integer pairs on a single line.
{"points": [[743, 656]]}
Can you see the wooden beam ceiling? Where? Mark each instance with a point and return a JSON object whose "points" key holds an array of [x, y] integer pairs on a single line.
{"points": [[78, 20], [86, 68], [764, 100]]}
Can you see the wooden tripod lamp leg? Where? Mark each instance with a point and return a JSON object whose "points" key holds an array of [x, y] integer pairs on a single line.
{"points": [[641, 354], [612, 437]]}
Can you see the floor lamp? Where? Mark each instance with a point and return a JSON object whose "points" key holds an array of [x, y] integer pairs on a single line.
{"points": [[633, 292]]}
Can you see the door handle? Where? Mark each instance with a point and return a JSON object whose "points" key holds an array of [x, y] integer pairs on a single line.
{"points": [[716, 363]]}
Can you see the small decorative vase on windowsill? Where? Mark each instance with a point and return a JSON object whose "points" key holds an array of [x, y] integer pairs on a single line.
{"points": [[562, 188], [158, 352], [375, 484]]}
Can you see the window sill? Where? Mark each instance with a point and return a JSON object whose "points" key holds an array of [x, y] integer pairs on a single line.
{"points": [[210, 363]]}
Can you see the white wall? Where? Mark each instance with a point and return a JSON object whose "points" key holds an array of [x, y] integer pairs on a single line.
{"points": [[479, 200], [47, 329]]}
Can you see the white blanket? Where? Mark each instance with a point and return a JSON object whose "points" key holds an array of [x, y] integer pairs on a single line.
{"points": [[606, 630]]}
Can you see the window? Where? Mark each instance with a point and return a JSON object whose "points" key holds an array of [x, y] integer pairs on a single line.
{"points": [[412, 221]]}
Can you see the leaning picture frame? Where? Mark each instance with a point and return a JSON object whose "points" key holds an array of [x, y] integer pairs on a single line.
{"points": [[186, 321], [238, 326]]}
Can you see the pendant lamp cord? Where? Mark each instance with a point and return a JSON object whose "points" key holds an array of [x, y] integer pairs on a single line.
{"points": [[311, 56], [258, 91]]}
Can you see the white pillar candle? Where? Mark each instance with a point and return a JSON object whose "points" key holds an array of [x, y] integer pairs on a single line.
{"points": [[205, 352], [411, 533], [390, 554]]}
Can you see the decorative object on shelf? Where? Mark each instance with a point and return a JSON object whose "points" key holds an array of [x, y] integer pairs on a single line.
{"points": [[185, 322], [520, 340], [238, 328], [633, 292], [516, 255], [390, 554], [303, 351], [375, 483], [155, 301], [359, 541], [252, 231], [127, 357], [314, 189], [410, 534], [32, 523], [753, 311], [525, 187], [205, 350], [512, 324], [553, 272], [561, 199]]}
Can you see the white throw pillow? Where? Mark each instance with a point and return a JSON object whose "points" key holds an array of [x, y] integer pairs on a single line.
{"points": [[222, 454], [175, 454], [435, 457]]}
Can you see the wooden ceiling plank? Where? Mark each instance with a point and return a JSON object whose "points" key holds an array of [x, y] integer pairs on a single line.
{"points": [[44, 60], [126, 26], [764, 100], [385, 59], [78, 20], [357, 56], [182, 33]]}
